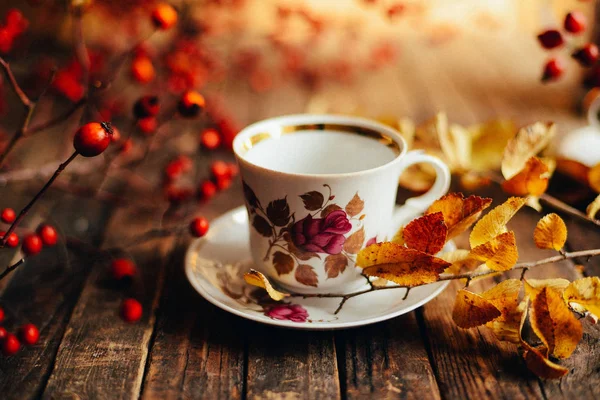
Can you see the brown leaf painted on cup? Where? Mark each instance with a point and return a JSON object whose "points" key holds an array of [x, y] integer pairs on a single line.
{"points": [[305, 274], [355, 206], [427, 233], [312, 200], [262, 226], [354, 242], [335, 264], [301, 255], [278, 212], [250, 196], [283, 263], [329, 209]]}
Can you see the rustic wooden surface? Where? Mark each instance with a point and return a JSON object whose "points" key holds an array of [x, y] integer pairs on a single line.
{"points": [[185, 347]]}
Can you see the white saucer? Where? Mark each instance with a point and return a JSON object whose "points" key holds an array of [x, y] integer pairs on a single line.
{"points": [[215, 266]]}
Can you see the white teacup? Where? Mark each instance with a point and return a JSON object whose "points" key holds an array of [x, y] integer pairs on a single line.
{"points": [[319, 188]]}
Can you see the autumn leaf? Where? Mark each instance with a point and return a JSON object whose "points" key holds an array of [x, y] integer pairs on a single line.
{"points": [[256, 278], [532, 180], [460, 260], [306, 275], [398, 236], [354, 242], [427, 233], [312, 200], [508, 327], [534, 286], [283, 263], [500, 253], [494, 222], [550, 232], [505, 297], [584, 294], [527, 143], [262, 226], [471, 310], [554, 323], [278, 212], [459, 213], [593, 208], [329, 209], [540, 365], [594, 177], [455, 142], [355, 206], [335, 264], [300, 254], [490, 139]]}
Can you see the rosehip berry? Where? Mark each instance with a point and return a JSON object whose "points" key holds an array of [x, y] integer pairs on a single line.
{"points": [[48, 235], [553, 70], [29, 334], [191, 104], [575, 22], [32, 244], [147, 125], [587, 55], [199, 226], [92, 138], [10, 345], [164, 16], [207, 190], [131, 310], [550, 39], [8, 215], [116, 135], [219, 169], [173, 170], [233, 169], [210, 139], [16, 22], [126, 146], [186, 162], [142, 69], [3, 333], [1, 314], [146, 106], [13, 239], [176, 194], [122, 268], [223, 182]]}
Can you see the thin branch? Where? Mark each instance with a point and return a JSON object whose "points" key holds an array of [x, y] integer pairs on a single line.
{"points": [[11, 268], [58, 119], [559, 205], [81, 51], [13, 82]]}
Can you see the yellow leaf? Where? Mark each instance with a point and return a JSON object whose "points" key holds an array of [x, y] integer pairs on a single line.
{"points": [[550, 232], [455, 142], [494, 222], [460, 260], [500, 253], [418, 178], [471, 310], [528, 142], [256, 278], [532, 180], [508, 327], [594, 177], [490, 139], [505, 297], [534, 286], [459, 213], [584, 294], [426, 233], [541, 365], [593, 208], [554, 323], [534, 202]]}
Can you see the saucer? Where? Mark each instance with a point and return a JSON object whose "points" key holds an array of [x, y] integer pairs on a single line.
{"points": [[215, 266]]}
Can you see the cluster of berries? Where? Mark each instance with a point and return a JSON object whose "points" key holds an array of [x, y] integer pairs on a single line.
{"points": [[14, 26], [28, 334]]}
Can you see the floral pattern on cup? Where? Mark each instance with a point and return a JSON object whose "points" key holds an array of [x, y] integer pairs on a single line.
{"points": [[325, 231]]}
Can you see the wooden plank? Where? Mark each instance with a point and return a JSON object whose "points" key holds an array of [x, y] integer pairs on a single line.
{"points": [[386, 360]]}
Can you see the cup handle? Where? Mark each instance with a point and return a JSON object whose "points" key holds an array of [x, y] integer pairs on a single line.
{"points": [[416, 205]]}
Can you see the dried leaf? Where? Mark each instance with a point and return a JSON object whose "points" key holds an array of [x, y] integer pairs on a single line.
{"points": [[500, 253], [459, 213], [540, 365], [532, 180], [306, 275], [335, 264], [534, 202], [593, 208], [508, 327], [528, 142], [426, 233], [262, 226], [329, 209], [256, 278], [418, 178], [354, 242], [398, 236], [300, 254], [460, 260], [471, 310], [278, 212], [355, 206], [584, 295], [472, 181], [494, 222], [312, 200], [283, 263], [534, 286], [490, 139], [594, 177], [554, 323], [550, 232], [455, 142]]}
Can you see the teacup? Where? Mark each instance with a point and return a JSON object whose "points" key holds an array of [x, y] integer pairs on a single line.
{"points": [[319, 188]]}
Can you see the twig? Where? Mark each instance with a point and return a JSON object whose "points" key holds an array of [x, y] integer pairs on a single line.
{"points": [[58, 119], [81, 51], [13, 82], [11, 268]]}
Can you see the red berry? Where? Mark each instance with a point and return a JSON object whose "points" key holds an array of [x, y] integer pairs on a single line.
{"points": [[146, 106], [190, 104], [126, 146], [16, 22], [1, 314], [32, 244], [131, 310], [219, 169], [223, 182], [147, 125], [575, 22], [116, 135], [173, 170], [176, 194], [164, 16], [3, 333], [199, 226], [550, 39], [10, 345], [142, 69], [8, 215], [587, 55], [29, 334], [186, 162], [207, 190], [48, 235], [92, 138], [210, 139], [13, 239], [233, 169], [122, 268], [553, 70]]}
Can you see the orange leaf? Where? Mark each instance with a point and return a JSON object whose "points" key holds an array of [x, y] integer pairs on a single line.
{"points": [[500, 253], [528, 142], [494, 222], [427, 233], [505, 296], [256, 278], [460, 260], [539, 364], [594, 177], [459, 213], [471, 310], [532, 180], [550, 232]]}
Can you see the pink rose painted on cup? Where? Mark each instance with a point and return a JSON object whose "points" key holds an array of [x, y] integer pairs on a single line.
{"points": [[288, 312], [322, 235]]}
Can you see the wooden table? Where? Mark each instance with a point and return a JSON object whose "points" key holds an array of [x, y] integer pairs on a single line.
{"points": [[185, 347]]}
